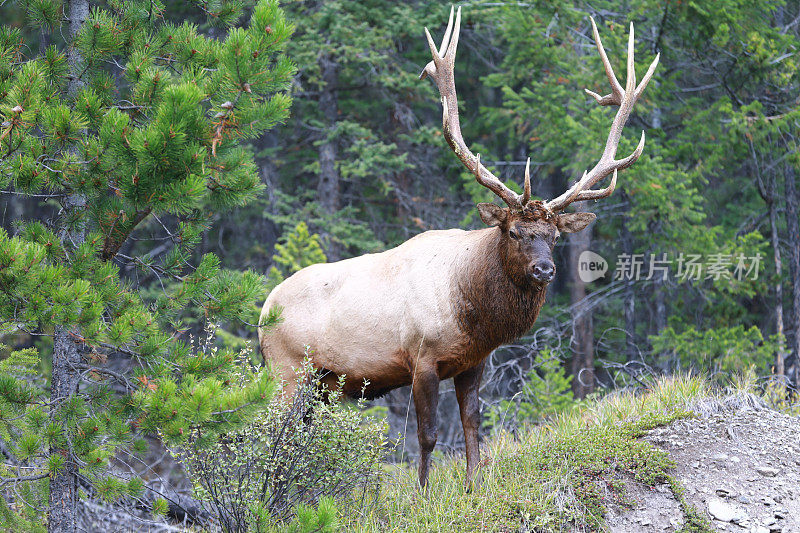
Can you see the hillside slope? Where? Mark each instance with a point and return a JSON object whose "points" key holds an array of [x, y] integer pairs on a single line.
{"points": [[681, 456], [739, 466]]}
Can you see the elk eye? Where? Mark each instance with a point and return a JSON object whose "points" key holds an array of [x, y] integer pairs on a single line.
{"points": [[513, 234]]}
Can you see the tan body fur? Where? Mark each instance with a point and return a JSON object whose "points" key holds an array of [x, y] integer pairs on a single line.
{"points": [[378, 317]]}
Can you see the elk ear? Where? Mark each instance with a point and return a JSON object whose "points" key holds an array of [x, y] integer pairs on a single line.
{"points": [[492, 214], [572, 222]]}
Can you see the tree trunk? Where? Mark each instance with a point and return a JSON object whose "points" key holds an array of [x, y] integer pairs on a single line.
{"points": [[62, 512], [767, 190], [658, 282], [661, 303], [776, 254], [793, 237], [13, 209], [629, 297], [582, 324], [62, 505], [328, 186]]}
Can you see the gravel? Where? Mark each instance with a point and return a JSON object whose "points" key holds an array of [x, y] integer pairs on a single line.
{"points": [[740, 466]]}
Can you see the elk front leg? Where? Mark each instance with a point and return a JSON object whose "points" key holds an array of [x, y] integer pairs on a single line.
{"points": [[426, 400], [467, 384]]}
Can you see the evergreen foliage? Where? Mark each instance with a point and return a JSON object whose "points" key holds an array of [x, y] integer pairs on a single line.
{"points": [[145, 123], [721, 352], [299, 250]]}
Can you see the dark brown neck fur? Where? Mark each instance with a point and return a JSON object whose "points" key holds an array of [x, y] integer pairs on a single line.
{"points": [[491, 308]]}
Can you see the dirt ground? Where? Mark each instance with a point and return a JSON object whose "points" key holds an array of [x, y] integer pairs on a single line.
{"points": [[739, 464]]}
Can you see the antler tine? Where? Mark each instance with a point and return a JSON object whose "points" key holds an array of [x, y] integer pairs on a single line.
{"points": [[431, 66], [452, 46], [434, 52], [600, 193], [648, 75], [616, 89], [630, 84], [622, 164], [440, 70], [626, 99], [526, 190], [477, 169], [446, 38]]}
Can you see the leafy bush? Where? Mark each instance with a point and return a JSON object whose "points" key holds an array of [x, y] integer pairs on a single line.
{"points": [[729, 351], [300, 460], [781, 398], [547, 392], [298, 250]]}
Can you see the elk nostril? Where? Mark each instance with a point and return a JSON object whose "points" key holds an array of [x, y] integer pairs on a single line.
{"points": [[544, 271]]}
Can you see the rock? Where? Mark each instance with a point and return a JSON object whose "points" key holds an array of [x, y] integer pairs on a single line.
{"points": [[767, 471], [724, 512]]}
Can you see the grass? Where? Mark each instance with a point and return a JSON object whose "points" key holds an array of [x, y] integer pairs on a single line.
{"points": [[560, 476]]}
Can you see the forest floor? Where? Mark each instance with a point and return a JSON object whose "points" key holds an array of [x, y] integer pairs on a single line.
{"points": [[738, 466]]}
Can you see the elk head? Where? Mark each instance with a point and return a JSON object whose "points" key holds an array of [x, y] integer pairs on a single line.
{"points": [[529, 228]]}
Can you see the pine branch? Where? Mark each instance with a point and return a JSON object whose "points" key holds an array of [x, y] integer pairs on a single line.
{"points": [[20, 479]]}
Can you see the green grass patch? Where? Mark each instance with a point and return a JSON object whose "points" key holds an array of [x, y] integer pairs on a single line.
{"points": [[559, 476]]}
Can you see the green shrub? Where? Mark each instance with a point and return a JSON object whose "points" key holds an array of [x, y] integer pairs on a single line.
{"points": [[293, 468], [298, 249], [721, 352], [547, 392], [781, 398]]}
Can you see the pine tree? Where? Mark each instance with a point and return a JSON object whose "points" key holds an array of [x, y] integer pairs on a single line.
{"points": [[299, 250], [132, 122]]}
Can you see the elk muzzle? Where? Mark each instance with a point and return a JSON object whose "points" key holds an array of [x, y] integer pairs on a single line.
{"points": [[543, 271]]}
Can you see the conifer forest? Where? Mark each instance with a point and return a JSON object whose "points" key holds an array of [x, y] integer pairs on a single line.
{"points": [[165, 166]]}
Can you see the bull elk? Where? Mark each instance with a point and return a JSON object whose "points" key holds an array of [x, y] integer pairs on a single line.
{"points": [[434, 307]]}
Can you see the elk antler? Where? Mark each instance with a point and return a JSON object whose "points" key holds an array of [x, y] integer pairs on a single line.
{"points": [[441, 72], [625, 99]]}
